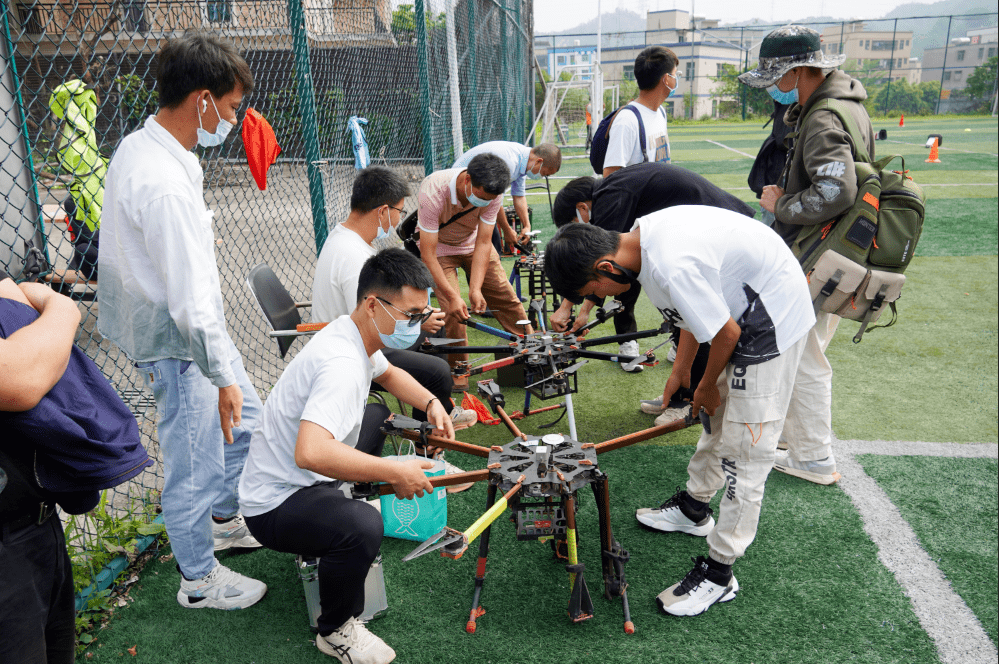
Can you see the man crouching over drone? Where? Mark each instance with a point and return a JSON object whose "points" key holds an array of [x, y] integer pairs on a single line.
{"points": [[738, 286], [317, 433]]}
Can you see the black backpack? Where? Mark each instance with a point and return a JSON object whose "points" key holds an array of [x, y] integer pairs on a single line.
{"points": [[601, 137]]}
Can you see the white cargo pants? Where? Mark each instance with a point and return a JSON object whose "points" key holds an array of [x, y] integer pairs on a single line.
{"points": [[738, 454]]}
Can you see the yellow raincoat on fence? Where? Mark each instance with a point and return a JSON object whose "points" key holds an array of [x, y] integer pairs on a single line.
{"points": [[76, 106]]}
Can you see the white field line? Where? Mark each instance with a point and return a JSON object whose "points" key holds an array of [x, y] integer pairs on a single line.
{"points": [[722, 145], [941, 147], [954, 628]]}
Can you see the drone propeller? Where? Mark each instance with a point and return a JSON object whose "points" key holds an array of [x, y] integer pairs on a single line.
{"points": [[644, 357], [568, 370], [437, 341]]}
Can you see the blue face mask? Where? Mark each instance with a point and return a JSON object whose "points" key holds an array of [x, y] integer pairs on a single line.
{"points": [[781, 97], [475, 200], [531, 175], [385, 239], [221, 130], [403, 336]]}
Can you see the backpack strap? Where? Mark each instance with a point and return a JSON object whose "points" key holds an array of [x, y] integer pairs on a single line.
{"points": [[641, 130]]}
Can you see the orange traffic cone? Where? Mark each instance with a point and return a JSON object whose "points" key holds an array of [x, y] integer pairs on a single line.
{"points": [[901, 121], [934, 152]]}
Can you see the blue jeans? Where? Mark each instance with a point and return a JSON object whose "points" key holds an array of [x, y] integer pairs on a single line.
{"points": [[201, 471]]}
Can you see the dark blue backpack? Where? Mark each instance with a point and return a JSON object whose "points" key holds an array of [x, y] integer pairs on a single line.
{"points": [[84, 436], [598, 148]]}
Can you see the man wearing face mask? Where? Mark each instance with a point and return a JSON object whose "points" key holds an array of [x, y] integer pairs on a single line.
{"points": [[317, 433], [656, 75], [525, 164], [376, 205], [458, 209], [817, 186], [161, 303]]}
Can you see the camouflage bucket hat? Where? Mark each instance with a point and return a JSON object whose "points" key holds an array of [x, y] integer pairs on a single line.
{"points": [[786, 48]]}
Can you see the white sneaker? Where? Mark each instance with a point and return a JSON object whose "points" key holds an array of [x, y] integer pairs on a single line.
{"points": [[822, 471], [630, 349], [668, 518], [695, 593], [220, 589], [462, 418], [671, 355], [451, 469], [233, 534], [354, 644]]}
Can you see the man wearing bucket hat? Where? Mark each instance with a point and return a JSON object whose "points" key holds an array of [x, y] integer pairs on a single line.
{"points": [[818, 184]]}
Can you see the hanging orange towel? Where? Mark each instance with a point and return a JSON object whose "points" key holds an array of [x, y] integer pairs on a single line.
{"points": [[261, 146], [472, 402]]}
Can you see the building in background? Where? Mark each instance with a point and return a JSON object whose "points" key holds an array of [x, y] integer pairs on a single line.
{"points": [[953, 63], [887, 51]]}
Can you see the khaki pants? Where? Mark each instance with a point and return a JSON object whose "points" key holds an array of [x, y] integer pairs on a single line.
{"points": [[808, 429], [496, 289], [738, 454]]}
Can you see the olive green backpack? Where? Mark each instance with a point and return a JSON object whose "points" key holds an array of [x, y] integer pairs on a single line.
{"points": [[854, 264]]}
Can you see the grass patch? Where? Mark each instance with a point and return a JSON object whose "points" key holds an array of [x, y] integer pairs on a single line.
{"points": [[951, 505], [960, 227], [805, 598]]}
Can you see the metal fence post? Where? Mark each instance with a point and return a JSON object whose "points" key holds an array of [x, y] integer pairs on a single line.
{"points": [[473, 125], [891, 65], [423, 72], [307, 107], [943, 67], [742, 45], [504, 68]]}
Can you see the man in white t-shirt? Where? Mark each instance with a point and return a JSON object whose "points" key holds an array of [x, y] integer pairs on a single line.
{"points": [[738, 286], [655, 73], [376, 208], [316, 433]]}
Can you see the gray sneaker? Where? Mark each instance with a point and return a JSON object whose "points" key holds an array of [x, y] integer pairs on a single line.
{"points": [[220, 589], [352, 643], [652, 406], [462, 418], [822, 471], [233, 534]]}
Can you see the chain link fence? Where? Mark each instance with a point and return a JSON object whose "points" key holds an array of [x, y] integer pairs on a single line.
{"points": [[909, 65], [432, 79]]}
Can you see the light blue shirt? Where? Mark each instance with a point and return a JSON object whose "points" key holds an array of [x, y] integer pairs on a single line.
{"points": [[159, 290], [513, 154]]}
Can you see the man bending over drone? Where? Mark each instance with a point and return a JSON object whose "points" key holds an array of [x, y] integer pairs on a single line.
{"points": [[738, 286]]}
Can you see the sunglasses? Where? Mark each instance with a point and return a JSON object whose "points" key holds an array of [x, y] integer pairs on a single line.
{"points": [[414, 319]]}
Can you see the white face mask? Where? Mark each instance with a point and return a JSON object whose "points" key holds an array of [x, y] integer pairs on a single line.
{"points": [[221, 130], [579, 216]]}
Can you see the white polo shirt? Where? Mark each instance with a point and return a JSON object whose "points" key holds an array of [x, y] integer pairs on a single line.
{"points": [[327, 383], [702, 265]]}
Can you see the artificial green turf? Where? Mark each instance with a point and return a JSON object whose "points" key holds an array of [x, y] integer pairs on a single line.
{"points": [[813, 590], [933, 375], [960, 227], [951, 504]]}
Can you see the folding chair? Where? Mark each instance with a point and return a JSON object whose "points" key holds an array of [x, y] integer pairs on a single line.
{"points": [[281, 312]]}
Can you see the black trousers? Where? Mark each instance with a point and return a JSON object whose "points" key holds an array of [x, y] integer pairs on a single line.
{"points": [[430, 371], [700, 359], [344, 534], [37, 607]]}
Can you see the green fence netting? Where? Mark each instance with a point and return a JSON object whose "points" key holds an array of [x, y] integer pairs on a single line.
{"points": [[431, 79]]}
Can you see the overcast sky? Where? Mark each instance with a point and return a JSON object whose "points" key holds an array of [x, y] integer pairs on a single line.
{"points": [[551, 15]]}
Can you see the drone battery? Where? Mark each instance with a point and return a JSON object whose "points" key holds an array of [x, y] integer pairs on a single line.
{"points": [[375, 599], [537, 520], [511, 376]]}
